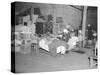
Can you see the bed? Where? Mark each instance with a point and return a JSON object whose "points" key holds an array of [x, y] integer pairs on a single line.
{"points": [[55, 46]]}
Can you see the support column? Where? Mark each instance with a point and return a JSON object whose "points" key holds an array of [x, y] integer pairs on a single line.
{"points": [[84, 24]]}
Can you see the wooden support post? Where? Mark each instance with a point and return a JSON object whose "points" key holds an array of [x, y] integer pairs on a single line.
{"points": [[84, 24], [31, 19]]}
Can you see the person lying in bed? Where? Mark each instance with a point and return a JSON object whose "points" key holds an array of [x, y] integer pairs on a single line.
{"points": [[62, 46]]}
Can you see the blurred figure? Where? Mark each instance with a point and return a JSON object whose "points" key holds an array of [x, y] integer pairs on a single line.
{"points": [[66, 35], [72, 41], [80, 38]]}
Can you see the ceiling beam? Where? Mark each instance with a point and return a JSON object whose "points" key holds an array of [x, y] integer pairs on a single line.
{"points": [[76, 7]]}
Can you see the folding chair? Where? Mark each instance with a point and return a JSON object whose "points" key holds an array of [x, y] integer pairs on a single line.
{"points": [[93, 60]]}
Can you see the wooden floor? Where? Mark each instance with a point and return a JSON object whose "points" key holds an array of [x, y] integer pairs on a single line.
{"points": [[44, 62]]}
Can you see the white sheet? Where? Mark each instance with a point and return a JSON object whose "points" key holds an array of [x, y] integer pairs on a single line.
{"points": [[43, 44]]}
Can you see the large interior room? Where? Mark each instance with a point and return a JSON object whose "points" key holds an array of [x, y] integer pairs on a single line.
{"points": [[53, 37]]}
